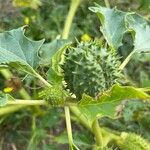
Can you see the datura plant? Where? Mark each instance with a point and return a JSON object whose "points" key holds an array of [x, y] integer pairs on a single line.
{"points": [[89, 68], [81, 77]]}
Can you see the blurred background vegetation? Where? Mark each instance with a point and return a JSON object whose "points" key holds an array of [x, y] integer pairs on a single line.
{"points": [[31, 129]]}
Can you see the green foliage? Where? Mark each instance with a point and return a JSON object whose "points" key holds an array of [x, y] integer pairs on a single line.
{"points": [[139, 63], [114, 29], [17, 51], [3, 99], [90, 69], [54, 73], [106, 103], [133, 116], [145, 4], [130, 141], [48, 50], [51, 55], [128, 31]]}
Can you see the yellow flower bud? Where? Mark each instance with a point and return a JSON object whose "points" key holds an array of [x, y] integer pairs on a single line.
{"points": [[8, 89], [26, 20], [86, 38]]}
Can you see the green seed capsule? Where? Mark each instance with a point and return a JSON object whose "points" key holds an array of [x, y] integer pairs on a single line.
{"points": [[90, 69], [131, 141]]}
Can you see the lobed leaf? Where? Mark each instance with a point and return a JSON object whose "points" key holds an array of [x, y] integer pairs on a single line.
{"points": [[106, 103], [54, 74], [17, 51], [116, 23], [48, 50], [113, 24], [141, 29], [4, 98]]}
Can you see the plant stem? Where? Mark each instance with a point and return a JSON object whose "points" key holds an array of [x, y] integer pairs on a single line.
{"points": [[27, 102], [68, 125], [75, 110], [9, 109], [72, 10], [73, 7], [17, 105], [43, 80], [22, 92], [98, 134], [13, 106], [107, 3], [31, 141], [125, 62]]}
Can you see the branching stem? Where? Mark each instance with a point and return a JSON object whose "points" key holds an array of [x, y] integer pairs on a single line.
{"points": [[98, 134], [73, 7], [27, 102], [107, 3], [43, 80], [68, 125], [125, 62]]}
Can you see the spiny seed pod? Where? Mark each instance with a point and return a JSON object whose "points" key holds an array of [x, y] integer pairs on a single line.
{"points": [[55, 96], [90, 69], [131, 141]]}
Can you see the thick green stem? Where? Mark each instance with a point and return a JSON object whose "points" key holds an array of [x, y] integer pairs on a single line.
{"points": [[98, 134], [107, 3], [125, 62], [22, 92], [75, 110], [73, 7], [68, 125], [13, 106], [43, 80], [27, 102], [9, 109], [31, 141], [72, 10]]}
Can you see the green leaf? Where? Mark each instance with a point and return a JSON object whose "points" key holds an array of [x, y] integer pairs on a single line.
{"points": [[4, 98], [106, 103], [141, 29], [145, 4], [48, 50], [58, 58], [134, 116], [16, 50], [53, 77], [113, 24], [144, 79], [55, 52], [116, 23]]}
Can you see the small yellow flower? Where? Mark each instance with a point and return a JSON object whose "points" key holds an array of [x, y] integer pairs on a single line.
{"points": [[8, 89], [26, 20], [86, 38]]}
